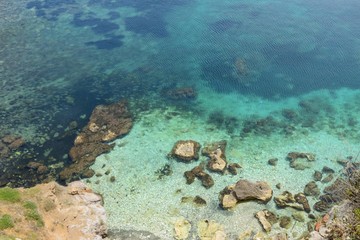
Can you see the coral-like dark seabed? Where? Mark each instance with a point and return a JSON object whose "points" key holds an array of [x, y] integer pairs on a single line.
{"points": [[269, 77]]}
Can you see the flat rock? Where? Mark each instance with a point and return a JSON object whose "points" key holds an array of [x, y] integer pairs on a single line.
{"points": [[182, 229], [246, 190], [210, 230], [185, 150]]}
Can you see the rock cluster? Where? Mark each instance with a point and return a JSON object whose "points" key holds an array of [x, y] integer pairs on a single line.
{"points": [[245, 190], [299, 201], [10, 143], [105, 125]]}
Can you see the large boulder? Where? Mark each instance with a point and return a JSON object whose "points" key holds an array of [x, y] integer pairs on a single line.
{"points": [[244, 190], [105, 125]]}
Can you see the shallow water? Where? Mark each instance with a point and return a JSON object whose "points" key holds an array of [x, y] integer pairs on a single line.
{"points": [[270, 77]]}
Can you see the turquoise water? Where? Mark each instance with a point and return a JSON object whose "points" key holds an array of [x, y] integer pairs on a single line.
{"points": [[270, 77]]}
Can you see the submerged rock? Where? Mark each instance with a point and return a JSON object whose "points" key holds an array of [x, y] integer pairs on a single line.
{"points": [[184, 93], [185, 150], [199, 173], [210, 230], [182, 229], [266, 218], [286, 199], [106, 124], [311, 189], [317, 176], [296, 157], [10, 143], [232, 168]]}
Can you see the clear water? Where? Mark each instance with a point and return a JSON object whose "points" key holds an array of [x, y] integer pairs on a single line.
{"points": [[248, 61]]}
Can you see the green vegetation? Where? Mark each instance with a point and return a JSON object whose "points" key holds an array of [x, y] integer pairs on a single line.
{"points": [[6, 222], [9, 195], [32, 213], [5, 237]]}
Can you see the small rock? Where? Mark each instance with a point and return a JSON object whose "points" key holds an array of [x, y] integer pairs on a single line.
{"points": [[199, 201], [206, 180], [321, 206], [273, 161], [232, 168], [301, 198], [266, 218], [317, 176], [278, 186], [327, 170], [209, 148], [311, 189], [190, 177], [264, 222], [280, 236]]}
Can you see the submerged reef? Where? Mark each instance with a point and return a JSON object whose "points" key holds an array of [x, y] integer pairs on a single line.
{"points": [[105, 125]]}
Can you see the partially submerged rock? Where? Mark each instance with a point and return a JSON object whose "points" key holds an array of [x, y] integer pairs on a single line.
{"points": [[216, 152], [317, 176], [106, 124], [244, 190], [185, 150]]}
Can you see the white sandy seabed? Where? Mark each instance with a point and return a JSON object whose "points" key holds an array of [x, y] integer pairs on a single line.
{"points": [[138, 200]]}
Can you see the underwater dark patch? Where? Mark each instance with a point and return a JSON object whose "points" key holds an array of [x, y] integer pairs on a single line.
{"points": [[104, 26], [147, 25], [107, 44], [224, 25], [78, 21], [113, 15]]}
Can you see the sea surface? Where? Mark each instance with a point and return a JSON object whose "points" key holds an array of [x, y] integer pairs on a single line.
{"points": [[268, 76]]}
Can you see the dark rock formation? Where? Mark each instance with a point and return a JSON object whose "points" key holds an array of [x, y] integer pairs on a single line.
{"points": [[106, 124], [199, 173], [184, 93], [185, 150], [232, 168], [273, 161], [301, 198]]}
